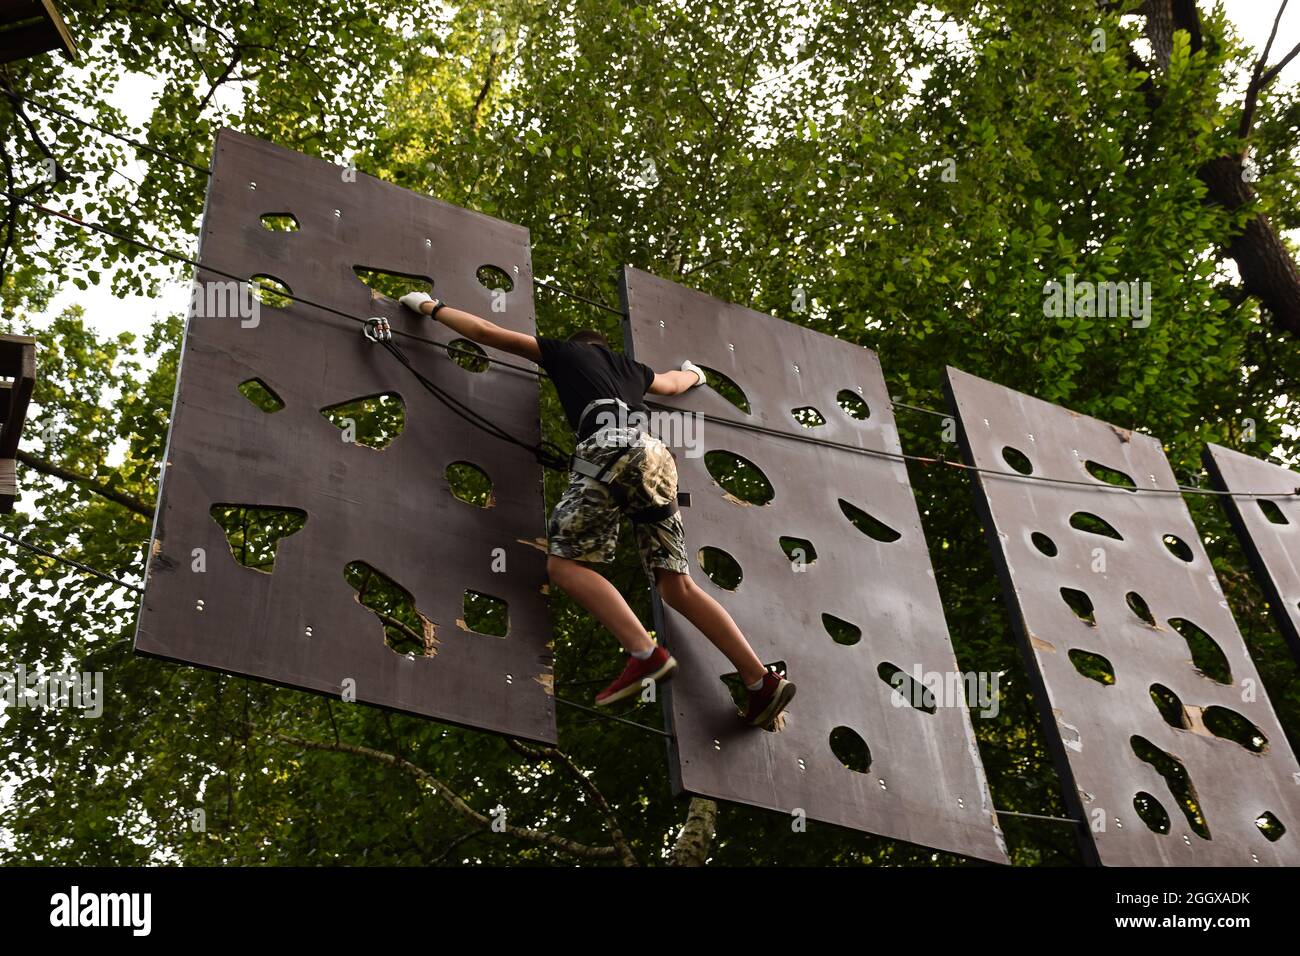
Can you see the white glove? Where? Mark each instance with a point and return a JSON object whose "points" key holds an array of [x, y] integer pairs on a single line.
{"points": [[413, 300], [689, 366]]}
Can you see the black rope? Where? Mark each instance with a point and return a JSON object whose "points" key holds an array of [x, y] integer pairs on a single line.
{"points": [[580, 298], [547, 453], [36, 548], [1039, 816], [613, 717], [919, 408], [940, 460]]}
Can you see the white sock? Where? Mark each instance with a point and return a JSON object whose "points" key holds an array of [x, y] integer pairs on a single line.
{"points": [[644, 655], [757, 685]]}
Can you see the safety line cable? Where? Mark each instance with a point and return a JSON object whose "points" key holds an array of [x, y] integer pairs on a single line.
{"points": [[940, 460], [303, 300], [919, 408], [36, 548], [581, 298], [1101, 486], [547, 453], [622, 720], [1038, 816]]}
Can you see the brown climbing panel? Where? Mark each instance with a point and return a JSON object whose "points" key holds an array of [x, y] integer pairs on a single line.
{"points": [[924, 781], [392, 510], [1128, 640]]}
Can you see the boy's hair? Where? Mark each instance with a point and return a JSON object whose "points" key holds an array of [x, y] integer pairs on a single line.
{"points": [[590, 337]]}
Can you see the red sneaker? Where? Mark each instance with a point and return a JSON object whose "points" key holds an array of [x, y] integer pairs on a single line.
{"points": [[659, 666], [769, 700]]}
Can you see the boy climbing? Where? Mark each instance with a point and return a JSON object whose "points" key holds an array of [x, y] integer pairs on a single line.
{"points": [[619, 469]]}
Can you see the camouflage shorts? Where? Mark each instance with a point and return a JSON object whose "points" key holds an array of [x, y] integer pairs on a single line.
{"points": [[584, 524]]}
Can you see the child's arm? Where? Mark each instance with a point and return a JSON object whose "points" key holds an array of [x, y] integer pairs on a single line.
{"points": [[678, 380], [476, 329]]}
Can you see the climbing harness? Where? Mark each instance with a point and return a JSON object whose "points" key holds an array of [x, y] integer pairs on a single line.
{"points": [[606, 475]]}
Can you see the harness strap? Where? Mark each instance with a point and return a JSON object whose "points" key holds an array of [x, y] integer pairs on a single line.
{"points": [[652, 514], [640, 515]]}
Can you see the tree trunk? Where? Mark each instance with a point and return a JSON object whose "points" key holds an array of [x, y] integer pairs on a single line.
{"points": [[696, 839], [1160, 29], [1267, 270]]}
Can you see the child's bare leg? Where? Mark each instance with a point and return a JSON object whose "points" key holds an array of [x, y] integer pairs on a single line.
{"points": [[711, 618], [591, 589]]}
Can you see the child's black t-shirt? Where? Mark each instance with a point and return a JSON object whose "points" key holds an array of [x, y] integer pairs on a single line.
{"points": [[583, 372]]}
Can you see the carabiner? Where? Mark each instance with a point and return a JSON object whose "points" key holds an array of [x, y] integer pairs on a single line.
{"points": [[377, 329]]}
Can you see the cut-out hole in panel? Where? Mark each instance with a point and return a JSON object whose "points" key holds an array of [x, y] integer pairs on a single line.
{"points": [[868, 524], [1093, 666], [1178, 547], [1170, 707], [1091, 523], [261, 395], [808, 417], [1151, 812], [908, 691], [799, 550], [271, 291], [1180, 785], [841, 631], [722, 569], [374, 421], [394, 285], [468, 355], [485, 614], [1270, 826], [1207, 656], [726, 388], [742, 480], [495, 278], [850, 749], [740, 695], [253, 531], [1043, 543], [279, 222], [1271, 511], [1228, 724], [1080, 604], [470, 484], [1138, 605], [406, 630], [853, 404], [1110, 475], [1018, 460]]}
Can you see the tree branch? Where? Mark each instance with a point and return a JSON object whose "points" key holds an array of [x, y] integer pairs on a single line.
{"points": [[54, 471], [454, 801], [1257, 81], [483, 92], [615, 830]]}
